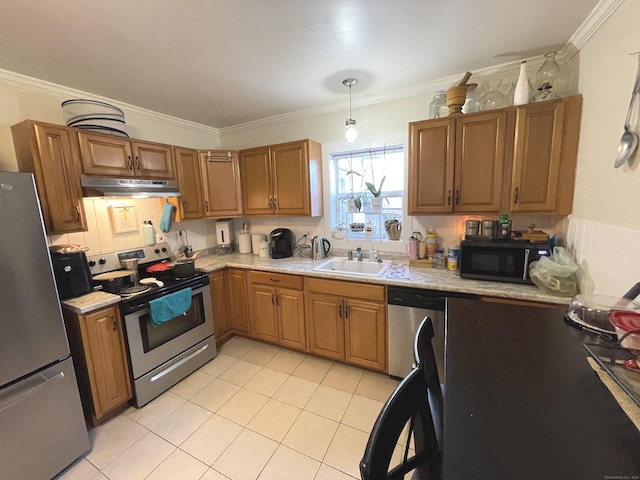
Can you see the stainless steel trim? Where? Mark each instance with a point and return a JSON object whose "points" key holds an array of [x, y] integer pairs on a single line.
{"points": [[525, 267], [27, 388], [178, 364], [128, 187]]}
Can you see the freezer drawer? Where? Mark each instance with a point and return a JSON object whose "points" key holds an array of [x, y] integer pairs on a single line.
{"points": [[42, 424]]}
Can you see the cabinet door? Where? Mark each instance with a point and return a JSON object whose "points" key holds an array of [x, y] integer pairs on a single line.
{"points": [[291, 327], [366, 334], [105, 155], [106, 360], [537, 154], [325, 325], [263, 312], [257, 191], [57, 172], [479, 162], [290, 169], [152, 160], [190, 182], [431, 164], [221, 183], [238, 300], [221, 320]]}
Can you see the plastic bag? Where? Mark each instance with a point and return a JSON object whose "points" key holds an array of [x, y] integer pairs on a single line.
{"points": [[556, 274]]}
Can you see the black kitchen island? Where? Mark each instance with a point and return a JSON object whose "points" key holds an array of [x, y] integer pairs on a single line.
{"points": [[522, 401]]}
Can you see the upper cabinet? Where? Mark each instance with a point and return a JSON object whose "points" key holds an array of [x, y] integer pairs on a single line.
{"points": [[221, 185], [108, 155], [457, 164], [51, 153], [190, 183], [283, 179], [517, 159], [545, 154]]}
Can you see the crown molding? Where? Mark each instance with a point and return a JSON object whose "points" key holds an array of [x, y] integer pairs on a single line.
{"points": [[17, 80], [602, 11]]}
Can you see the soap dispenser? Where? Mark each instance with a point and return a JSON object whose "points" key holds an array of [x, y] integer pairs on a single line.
{"points": [[372, 254]]}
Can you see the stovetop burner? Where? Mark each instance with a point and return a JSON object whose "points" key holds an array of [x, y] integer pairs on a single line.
{"points": [[134, 290]]}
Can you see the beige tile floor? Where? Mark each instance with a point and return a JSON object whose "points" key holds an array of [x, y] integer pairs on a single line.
{"points": [[255, 412]]}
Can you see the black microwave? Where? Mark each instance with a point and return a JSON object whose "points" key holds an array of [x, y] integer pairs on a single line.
{"points": [[506, 261]]}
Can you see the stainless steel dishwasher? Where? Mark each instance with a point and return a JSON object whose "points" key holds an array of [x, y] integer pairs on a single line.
{"points": [[406, 310]]}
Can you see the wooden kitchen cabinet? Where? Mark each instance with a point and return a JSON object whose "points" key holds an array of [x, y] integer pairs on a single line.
{"points": [[277, 308], [456, 164], [238, 300], [221, 184], [51, 153], [545, 155], [190, 183], [283, 179], [221, 319], [111, 156], [96, 340], [347, 321]]}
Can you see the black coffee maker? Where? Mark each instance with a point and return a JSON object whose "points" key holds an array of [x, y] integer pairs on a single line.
{"points": [[282, 241], [71, 271]]}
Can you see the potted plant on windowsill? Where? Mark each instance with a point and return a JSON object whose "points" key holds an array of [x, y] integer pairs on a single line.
{"points": [[376, 201]]}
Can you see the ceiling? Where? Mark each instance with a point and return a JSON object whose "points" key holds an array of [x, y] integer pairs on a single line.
{"points": [[227, 62]]}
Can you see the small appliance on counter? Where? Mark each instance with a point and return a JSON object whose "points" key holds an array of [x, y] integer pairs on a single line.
{"points": [[71, 271], [282, 241], [224, 235], [320, 247], [502, 261]]}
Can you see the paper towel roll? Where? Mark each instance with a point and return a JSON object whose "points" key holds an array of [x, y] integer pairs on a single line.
{"points": [[244, 242], [256, 238]]}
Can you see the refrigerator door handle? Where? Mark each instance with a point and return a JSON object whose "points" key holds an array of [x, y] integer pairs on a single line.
{"points": [[31, 386]]}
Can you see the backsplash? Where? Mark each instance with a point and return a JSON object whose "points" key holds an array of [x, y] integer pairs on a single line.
{"points": [[609, 256]]}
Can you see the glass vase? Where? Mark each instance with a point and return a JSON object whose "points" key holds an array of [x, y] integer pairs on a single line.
{"points": [[494, 98]]}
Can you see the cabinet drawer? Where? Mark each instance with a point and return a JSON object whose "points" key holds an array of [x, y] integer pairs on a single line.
{"points": [[276, 279], [374, 293]]}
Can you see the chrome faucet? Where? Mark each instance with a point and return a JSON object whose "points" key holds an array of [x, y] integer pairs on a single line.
{"points": [[359, 254], [349, 255]]}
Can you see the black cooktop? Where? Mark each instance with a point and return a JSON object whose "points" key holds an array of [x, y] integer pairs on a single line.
{"points": [[170, 285]]}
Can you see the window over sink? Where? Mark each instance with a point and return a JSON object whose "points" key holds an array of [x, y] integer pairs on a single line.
{"points": [[367, 188]]}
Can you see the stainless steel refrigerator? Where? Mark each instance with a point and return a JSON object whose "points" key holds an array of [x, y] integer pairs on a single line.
{"points": [[42, 426]]}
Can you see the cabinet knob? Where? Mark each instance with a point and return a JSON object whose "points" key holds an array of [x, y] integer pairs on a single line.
{"points": [[340, 311], [448, 197], [206, 205], [130, 162], [457, 197], [138, 162], [516, 192]]}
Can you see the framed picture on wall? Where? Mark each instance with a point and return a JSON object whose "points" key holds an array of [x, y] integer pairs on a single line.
{"points": [[123, 218]]}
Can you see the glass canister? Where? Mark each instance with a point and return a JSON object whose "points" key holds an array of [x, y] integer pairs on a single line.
{"points": [[438, 106], [439, 259]]}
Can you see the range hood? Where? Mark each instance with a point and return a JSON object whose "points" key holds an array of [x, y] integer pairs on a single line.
{"points": [[128, 187]]}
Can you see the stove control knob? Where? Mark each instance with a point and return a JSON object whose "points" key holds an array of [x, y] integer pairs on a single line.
{"points": [[164, 250], [102, 261], [92, 263], [157, 251]]}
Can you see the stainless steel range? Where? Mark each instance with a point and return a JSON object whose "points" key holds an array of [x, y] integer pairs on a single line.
{"points": [[160, 356]]}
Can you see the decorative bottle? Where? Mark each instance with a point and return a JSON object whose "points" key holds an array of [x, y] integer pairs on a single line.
{"points": [[522, 92]]}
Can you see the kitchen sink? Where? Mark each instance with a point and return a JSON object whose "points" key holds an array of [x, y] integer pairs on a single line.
{"points": [[357, 268]]}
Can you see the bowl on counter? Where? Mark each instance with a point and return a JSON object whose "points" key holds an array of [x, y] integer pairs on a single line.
{"points": [[625, 322], [592, 311]]}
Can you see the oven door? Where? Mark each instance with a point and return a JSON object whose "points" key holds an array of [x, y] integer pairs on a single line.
{"points": [[151, 346]]}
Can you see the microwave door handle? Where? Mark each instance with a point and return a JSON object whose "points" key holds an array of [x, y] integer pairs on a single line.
{"points": [[525, 269]]}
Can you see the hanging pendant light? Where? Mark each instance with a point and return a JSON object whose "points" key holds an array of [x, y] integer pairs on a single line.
{"points": [[350, 133]]}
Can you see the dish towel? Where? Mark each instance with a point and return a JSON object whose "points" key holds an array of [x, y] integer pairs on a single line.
{"points": [[170, 306], [165, 218]]}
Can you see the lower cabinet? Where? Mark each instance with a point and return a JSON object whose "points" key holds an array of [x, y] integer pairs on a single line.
{"points": [[221, 318], [277, 308], [237, 300], [97, 346], [347, 321]]}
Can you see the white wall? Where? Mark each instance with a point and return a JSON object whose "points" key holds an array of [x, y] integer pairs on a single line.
{"points": [[604, 229]]}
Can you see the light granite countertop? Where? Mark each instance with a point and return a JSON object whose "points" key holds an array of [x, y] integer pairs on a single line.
{"points": [[400, 273]]}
